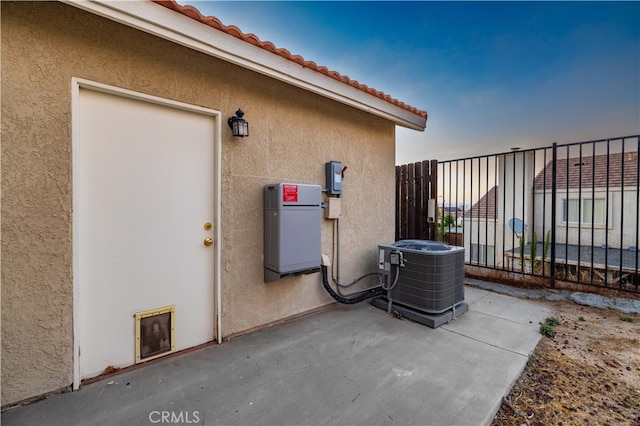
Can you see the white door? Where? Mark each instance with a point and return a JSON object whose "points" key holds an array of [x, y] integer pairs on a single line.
{"points": [[144, 190]]}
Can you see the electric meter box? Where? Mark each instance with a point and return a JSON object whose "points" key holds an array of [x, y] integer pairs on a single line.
{"points": [[292, 229]]}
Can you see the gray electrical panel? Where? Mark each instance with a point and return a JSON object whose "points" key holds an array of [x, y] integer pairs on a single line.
{"points": [[292, 229]]}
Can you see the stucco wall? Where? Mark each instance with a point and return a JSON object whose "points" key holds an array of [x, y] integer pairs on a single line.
{"points": [[293, 133]]}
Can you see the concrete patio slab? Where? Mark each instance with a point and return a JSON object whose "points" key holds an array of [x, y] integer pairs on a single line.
{"points": [[346, 365]]}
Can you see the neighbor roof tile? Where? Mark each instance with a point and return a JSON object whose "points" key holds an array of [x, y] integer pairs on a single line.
{"points": [[486, 207], [613, 170]]}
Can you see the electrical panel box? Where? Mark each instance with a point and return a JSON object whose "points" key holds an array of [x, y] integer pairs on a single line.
{"points": [[333, 173], [431, 210], [332, 209], [292, 229], [387, 258]]}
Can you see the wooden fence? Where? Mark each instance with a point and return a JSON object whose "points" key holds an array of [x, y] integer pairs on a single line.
{"points": [[416, 184]]}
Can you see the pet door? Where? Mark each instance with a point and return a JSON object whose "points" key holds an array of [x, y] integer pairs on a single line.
{"points": [[155, 333]]}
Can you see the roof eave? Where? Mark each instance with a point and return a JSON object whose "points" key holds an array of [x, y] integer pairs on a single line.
{"points": [[165, 23]]}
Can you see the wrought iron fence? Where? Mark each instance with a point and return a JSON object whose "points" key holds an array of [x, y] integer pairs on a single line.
{"points": [[569, 212]]}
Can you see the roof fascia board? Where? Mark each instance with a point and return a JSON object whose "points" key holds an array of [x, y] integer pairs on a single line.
{"points": [[170, 25]]}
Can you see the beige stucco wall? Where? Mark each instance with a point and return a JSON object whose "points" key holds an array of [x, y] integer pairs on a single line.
{"points": [[293, 133]]}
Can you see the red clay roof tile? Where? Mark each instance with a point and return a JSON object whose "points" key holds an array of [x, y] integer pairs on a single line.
{"points": [[611, 170], [486, 207], [234, 31]]}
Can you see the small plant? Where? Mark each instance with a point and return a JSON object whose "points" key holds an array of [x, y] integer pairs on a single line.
{"points": [[522, 244], [628, 319], [533, 251], [447, 222], [635, 341], [581, 318], [551, 321], [547, 330], [545, 250]]}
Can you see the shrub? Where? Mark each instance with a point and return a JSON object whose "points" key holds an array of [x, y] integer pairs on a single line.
{"points": [[551, 321], [546, 330]]}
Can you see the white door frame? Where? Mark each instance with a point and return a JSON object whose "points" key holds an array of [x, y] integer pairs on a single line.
{"points": [[76, 85]]}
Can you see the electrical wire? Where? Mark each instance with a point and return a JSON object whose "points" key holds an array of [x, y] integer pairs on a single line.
{"points": [[357, 280], [335, 275], [395, 280], [367, 294]]}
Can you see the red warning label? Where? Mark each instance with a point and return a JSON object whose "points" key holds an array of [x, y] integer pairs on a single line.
{"points": [[289, 193]]}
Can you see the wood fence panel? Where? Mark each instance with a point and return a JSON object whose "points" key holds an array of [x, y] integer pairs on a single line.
{"points": [[432, 193], [418, 211], [411, 199], [416, 184]]}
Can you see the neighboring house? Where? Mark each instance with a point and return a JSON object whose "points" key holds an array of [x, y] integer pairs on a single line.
{"points": [[118, 164], [487, 233], [591, 194], [480, 228], [596, 207]]}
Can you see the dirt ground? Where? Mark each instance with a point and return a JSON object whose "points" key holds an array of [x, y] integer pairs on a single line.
{"points": [[587, 374]]}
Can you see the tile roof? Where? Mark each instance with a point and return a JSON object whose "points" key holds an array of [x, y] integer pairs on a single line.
{"points": [[234, 31], [486, 207], [595, 172]]}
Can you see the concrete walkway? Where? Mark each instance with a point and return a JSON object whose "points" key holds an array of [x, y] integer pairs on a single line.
{"points": [[347, 365]]}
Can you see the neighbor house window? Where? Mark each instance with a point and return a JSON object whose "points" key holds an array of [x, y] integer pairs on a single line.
{"points": [[482, 254], [585, 211]]}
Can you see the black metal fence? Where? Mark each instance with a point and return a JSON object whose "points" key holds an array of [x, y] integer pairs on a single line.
{"points": [[565, 212]]}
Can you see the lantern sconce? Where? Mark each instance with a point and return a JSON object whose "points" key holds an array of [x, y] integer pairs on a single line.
{"points": [[239, 127]]}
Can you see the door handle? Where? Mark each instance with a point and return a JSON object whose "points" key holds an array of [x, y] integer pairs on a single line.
{"points": [[208, 241]]}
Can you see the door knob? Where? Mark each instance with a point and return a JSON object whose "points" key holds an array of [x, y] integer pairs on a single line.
{"points": [[208, 241]]}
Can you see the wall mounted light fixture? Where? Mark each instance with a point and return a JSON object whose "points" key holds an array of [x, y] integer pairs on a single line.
{"points": [[239, 126]]}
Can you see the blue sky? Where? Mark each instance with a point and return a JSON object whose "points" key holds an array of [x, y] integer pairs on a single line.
{"points": [[491, 75]]}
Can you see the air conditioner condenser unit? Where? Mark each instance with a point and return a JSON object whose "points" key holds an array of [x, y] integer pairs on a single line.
{"points": [[425, 280]]}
